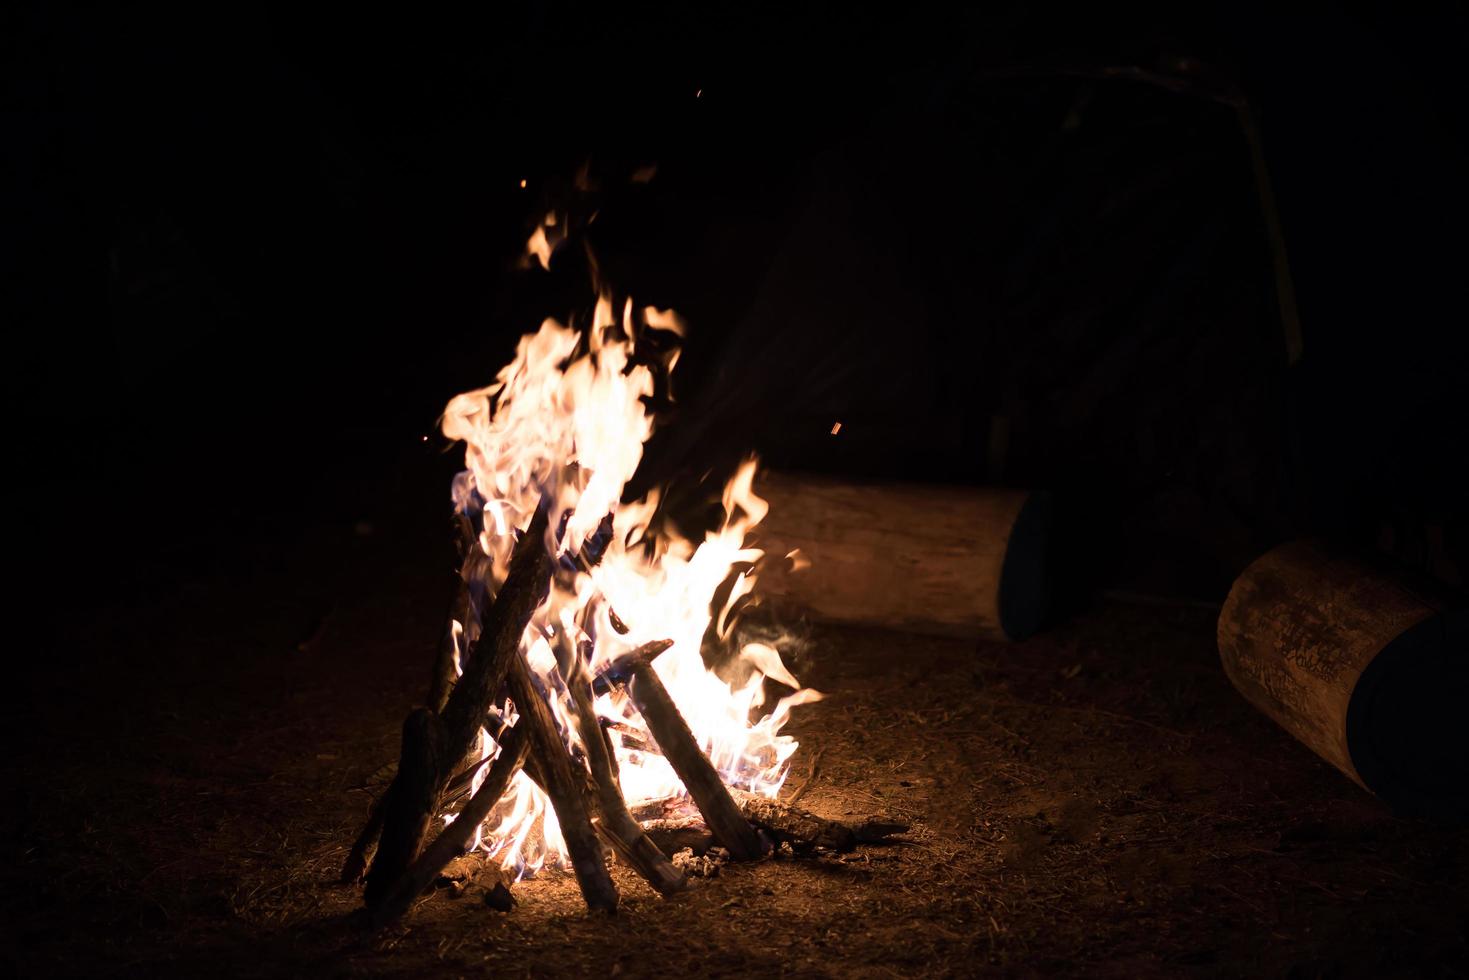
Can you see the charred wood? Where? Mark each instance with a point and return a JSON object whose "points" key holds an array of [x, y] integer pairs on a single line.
{"points": [[628, 838], [499, 641], [699, 777], [803, 829], [620, 669], [409, 805], [440, 742], [457, 837], [474, 567], [672, 836], [565, 789]]}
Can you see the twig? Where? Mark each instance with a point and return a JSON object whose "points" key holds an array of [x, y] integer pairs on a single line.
{"points": [[810, 777]]}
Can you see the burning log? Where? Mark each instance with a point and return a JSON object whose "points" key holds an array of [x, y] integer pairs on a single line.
{"points": [[434, 744], [1365, 669], [455, 839], [951, 560], [529, 450], [496, 649], [632, 844], [474, 568], [620, 670], [564, 788], [699, 777]]}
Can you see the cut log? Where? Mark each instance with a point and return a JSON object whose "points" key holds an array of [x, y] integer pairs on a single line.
{"points": [[409, 805], [455, 839], [564, 788], [967, 561], [699, 777], [1369, 671], [631, 843]]}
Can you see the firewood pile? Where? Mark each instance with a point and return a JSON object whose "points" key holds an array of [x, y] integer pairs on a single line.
{"points": [[398, 856]]}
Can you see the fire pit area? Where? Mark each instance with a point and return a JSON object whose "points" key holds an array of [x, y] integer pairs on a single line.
{"points": [[1096, 799], [736, 493]]}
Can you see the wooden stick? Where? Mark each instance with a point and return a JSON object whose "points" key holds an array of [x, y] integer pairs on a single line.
{"points": [[561, 784], [499, 641], [619, 670], [421, 777], [362, 849], [441, 682], [455, 839], [632, 844], [677, 743], [410, 803], [473, 566], [620, 845]]}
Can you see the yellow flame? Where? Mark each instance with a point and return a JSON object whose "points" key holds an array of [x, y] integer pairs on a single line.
{"points": [[564, 426]]}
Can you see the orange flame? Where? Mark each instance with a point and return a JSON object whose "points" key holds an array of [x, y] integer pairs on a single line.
{"points": [[563, 426]]}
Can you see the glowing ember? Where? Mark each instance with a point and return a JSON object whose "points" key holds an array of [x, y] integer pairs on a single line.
{"points": [[563, 427]]}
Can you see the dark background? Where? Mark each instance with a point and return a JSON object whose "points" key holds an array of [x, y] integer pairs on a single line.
{"points": [[254, 250], [251, 251]]}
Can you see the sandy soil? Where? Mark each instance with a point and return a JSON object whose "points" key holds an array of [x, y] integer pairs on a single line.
{"points": [[1096, 801]]}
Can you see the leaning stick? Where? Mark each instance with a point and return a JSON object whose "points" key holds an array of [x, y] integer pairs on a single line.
{"points": [[677, 743], [619, 669], [421, 777], [620, 845], [409, 805], [474, 569], [499, 641], [362, 849], [457, 837], [630, 841], [561, 784]]}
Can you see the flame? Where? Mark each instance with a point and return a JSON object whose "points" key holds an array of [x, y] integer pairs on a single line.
{"points": [[563, 426]]}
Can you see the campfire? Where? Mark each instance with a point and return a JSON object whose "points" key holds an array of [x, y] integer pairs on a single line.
{"points": [[592, 696]]}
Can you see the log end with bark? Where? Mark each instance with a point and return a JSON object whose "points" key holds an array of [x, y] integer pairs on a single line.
{"points": [[968, 561], [1367, 668]]}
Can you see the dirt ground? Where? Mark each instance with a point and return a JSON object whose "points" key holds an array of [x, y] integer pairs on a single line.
{"points": [[1097, 801]]}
